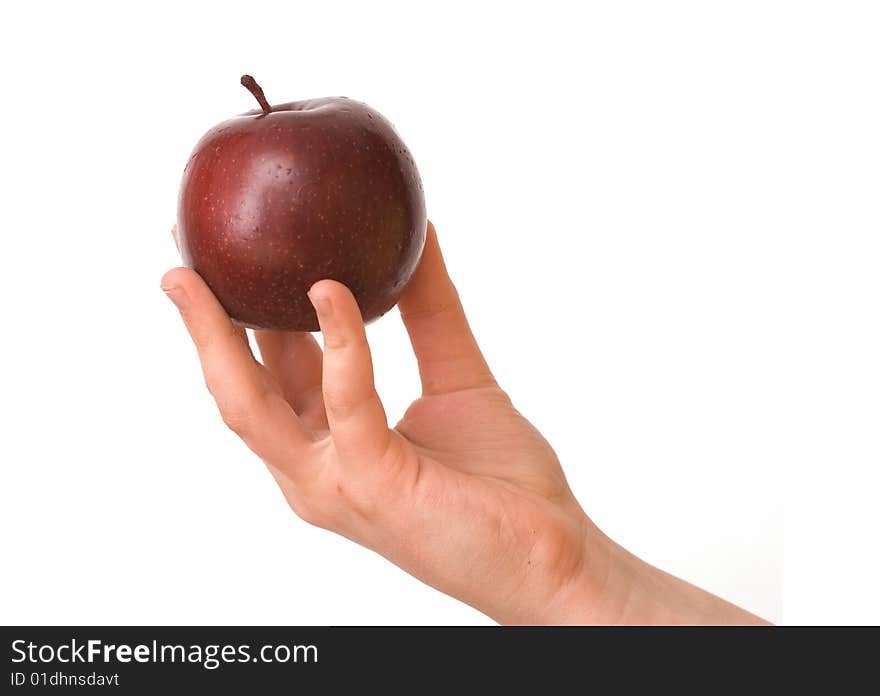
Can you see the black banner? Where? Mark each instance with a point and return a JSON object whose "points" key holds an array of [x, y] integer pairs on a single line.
{"points": [[283, 660]]}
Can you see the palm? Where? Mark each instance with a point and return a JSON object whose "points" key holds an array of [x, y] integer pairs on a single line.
{"points": [[478, 431], [496, 487]]}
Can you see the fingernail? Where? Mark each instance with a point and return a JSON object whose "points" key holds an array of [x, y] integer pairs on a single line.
{"points": [[176, 294], [322, 306]]}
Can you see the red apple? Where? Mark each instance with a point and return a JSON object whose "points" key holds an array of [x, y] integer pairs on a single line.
{"points": [[283, 196]]}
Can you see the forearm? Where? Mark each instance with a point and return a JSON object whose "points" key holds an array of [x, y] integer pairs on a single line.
{"points": [[652, 596], [633, 592]]}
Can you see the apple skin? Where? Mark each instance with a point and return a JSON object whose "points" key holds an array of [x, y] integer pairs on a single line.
{"points": [[271, 203]]}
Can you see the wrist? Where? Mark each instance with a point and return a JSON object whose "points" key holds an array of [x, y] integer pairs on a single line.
{"points": [[595, 594]]}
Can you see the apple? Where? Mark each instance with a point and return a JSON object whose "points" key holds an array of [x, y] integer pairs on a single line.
{"points": [[282, 196]]}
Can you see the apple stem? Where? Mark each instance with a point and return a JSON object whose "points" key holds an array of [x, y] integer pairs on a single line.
{"points": [[257, 91]]}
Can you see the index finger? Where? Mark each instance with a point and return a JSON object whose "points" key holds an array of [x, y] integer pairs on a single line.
{"points": [[248, 402]]}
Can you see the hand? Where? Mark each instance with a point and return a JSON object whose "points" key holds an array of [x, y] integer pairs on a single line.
{"points": [[463, 493]]}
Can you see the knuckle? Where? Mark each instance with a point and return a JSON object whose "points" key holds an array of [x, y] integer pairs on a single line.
{"points": [[239, 416], [236, 420], [450, 307], [346, 342], [343, 403]]}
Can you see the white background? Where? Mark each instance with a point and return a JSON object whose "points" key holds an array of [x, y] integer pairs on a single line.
{"points": [[663, 222]]}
